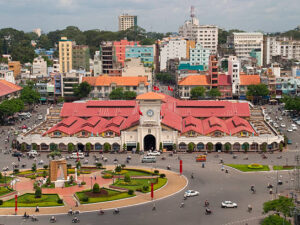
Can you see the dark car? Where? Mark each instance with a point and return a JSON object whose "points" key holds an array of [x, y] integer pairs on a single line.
{"points": [[16, 154]]}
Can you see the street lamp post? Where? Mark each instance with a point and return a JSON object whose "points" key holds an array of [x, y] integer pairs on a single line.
{"points": [[91, 183]]}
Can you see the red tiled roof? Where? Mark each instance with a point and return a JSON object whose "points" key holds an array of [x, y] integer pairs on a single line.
{"points": [[119, 81], [8, 88], [150, 96], [195, 80]]}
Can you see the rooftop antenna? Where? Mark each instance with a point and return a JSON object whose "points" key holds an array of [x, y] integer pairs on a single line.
{"points": [[192, 11]]}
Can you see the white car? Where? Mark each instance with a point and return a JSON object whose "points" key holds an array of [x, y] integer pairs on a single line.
{"points": [[294, 128], [191, 193], [293, 125], [280, 118], [228, 204], [32, 153], [276, 125], [40, 117], [290, 129], [270, 121], [268, 117], [282, 125], [298, 122], [154, 153]]}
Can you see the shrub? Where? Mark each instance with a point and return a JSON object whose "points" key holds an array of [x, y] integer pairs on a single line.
{"points": [[255, 166], [85, 199], [69, 166], [45, 167], [38, 192], [191, 147], [127, 178], [71, 180], [145, 188], [33, 168], [107, 176], [280, 147], [107, 147], [83, 183], [1, 202], [123, 166], [98, 165], [16, 171], [138, 147], [130, 192], [60, 201], [1, 176], [156, 172], [96, 188], [162, 175], [118, 169], [210, 146], [44, 174]]}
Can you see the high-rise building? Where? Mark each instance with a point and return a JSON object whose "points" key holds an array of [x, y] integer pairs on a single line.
{"points": [[106, 54], [127, 21], [244, 43], [234, 72], [206, 35], [65, 55], [199, 55], [120, 49], [213, 71], [81, 56]]}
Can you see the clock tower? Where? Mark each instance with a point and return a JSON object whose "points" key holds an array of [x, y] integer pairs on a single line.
{"points": [[150, 127]]}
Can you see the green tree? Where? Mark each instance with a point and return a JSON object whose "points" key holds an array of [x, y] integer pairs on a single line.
{"points": [[197, 92], [227, 147], [160, 146], [129, 95], [281, 205], [165, 78], [33, 168], [118, 169], [71, 147], [124, 147], [107, 147], [23, 52], [138, 147], [82, 90], [191, 147], [275, 220], [127, 178], [38, 192], [49, 62], [147, 41], [210, 146], [174, 147], [116, 94], [29, 95], [88, 146], [44, 42], [245, 146], [214, 93], [53, 147], [96, 188], [257, 92]]}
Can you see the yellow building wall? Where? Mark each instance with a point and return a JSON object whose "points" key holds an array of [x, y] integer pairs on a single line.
{"points": [[65, 55]]}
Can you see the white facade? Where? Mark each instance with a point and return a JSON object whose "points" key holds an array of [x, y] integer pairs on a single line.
{"points": [[97, 64], [171, 48], [199, 55], [39, 66], [127, 21], [206, 35], [234, 67], [7, 75], [271, 48], [56, 66], [135, 68], [245, 42], [276, 70]]}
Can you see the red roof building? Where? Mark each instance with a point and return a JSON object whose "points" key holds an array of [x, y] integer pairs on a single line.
{"points": [[8, 90]]}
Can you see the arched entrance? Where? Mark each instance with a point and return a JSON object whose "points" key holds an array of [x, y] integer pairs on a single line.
{"points": [[149, 142], [80, 147], [218, 147]]}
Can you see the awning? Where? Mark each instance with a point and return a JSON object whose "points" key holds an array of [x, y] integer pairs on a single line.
{"points": [[43, 99], [131, 144]]}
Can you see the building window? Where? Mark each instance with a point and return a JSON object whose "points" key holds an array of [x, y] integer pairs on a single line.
{"points": [[57, 133]]}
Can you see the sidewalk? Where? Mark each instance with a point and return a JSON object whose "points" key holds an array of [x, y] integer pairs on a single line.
{"points": [[175, 184]]}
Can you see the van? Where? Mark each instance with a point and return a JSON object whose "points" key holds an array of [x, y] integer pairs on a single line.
{"points": [[149, 159], [75, 156]]}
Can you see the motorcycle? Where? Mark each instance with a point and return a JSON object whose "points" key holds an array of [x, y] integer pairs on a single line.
{"points": [[34, 219], [116, 211], [181, 205], [52, 219], [75, 220], [208, 211], [101, 212], [168, 167]]}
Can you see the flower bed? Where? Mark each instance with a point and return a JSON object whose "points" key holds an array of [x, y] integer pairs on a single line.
{"points": [[245, 167]]}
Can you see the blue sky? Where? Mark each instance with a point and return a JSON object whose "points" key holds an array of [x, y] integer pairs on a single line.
{"points": [[153, 15]]}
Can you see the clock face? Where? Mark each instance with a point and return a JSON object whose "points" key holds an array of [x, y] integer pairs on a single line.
{"points": [[150, 112]]}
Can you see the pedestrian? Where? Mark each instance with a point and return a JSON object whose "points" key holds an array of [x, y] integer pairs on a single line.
{"points": [[19, 158], [37, 209], [95, 177]]}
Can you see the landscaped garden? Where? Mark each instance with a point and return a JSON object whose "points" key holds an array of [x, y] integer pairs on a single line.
{"points": [[283, 167], [30, 200], [5, 190], [142, 185], [101, 195], [129, 171], [249, 168]]}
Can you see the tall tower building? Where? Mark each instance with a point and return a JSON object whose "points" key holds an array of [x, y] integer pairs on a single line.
{"points": [[126, 21], [65, 55]]}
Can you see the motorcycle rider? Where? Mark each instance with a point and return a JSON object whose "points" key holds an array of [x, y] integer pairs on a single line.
{"points": [[53, 219]]}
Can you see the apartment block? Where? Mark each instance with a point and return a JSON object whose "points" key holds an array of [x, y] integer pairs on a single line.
{"points": [[127, 21], [120, 49], [39, 66], [65, 55], [145, 52], [81, 56]]}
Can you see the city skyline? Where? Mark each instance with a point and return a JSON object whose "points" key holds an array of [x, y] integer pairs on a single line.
{"points": [[159, 16]]}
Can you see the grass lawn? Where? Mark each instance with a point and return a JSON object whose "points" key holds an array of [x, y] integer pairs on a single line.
{"points": [[283, 167], [112, 195], [67, 184], [26, 172], [245, 168], [131, 172], [52, 185], [138, 184], [7, 179], [29, 200], [72, 171], [4, 191]]}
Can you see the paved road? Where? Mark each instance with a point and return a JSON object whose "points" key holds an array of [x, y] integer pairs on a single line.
{"points": [[213, 185]]}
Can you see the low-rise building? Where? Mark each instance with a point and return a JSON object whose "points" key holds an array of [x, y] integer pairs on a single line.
{"points": [[145, 52], [103, 85], [135, 68], [245, 81], [68, 82], [15, 66], [9, 90], [39, 66], [188, 83], [6, 74]]}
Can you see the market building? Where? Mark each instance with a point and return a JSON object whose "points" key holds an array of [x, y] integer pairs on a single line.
{"points": [[152, 121]]}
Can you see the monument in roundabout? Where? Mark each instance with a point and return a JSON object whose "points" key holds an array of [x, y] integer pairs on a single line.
{"points": [[58, 172]]}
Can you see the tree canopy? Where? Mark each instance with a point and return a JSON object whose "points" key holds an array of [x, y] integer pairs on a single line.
{"points": [[275, 220], [281, 205], [214, 92], [29, 95], [197, 92], [119, 94], [165, 78], [82, 90], [258, 90], [291, 103]]}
